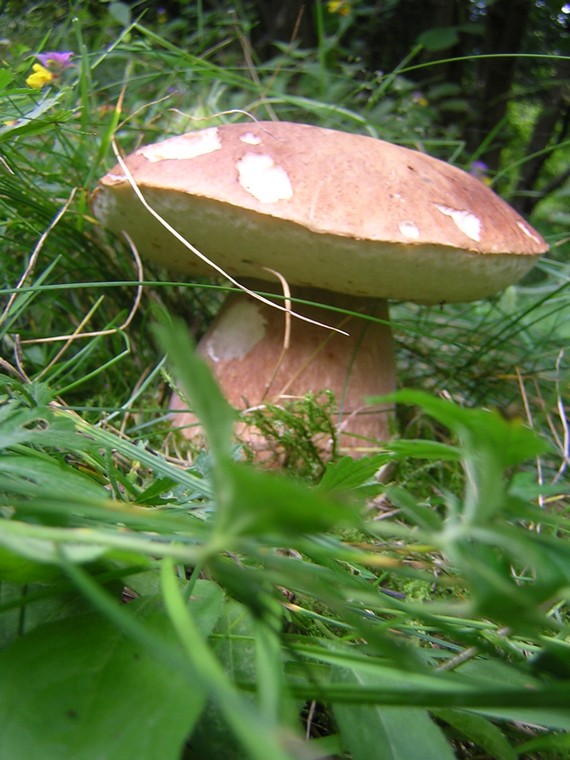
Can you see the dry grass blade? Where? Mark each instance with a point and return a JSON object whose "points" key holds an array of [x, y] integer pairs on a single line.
{"points": [[35, 254], [77, 333]]}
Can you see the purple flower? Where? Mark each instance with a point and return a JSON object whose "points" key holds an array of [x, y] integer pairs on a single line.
{"points": [[419, 98], [55, 62], [478, 168]]}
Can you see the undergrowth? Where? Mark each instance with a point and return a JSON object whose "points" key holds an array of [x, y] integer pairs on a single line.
{"points": [[159, 602]]}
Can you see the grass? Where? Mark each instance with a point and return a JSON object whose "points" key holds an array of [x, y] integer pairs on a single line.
{"points": [[170, 606]]}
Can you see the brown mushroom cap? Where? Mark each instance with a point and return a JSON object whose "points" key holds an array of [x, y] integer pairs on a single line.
{"points": [[345, 212]]}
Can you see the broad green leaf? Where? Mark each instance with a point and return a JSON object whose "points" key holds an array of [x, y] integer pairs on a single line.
{"points": [[36, 424], [435, 450], [79, 688], [386, 733], [480, 731], [121, 13], [17, 566], [439, 39], [497, 674]]}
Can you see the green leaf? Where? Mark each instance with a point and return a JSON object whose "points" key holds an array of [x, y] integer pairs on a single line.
{"points": [[199, 387], [121, 13], [424, 450], [510, 440], [37, 424], [6, 76], [553, 659], [497, 674], [80, 688], [31, 475], [268, 740], [558, 744], [480, 731], [346, 475], [234, 646], [258, 502], [17, 565], [423, 516], [489, 445], [439, 39], [386, 733], [39, 550]]}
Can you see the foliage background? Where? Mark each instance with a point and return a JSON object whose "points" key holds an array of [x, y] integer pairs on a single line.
{"points": [[424, 615]]}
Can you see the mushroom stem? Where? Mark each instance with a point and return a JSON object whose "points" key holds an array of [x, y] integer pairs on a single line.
{"points": [[245, 348]]}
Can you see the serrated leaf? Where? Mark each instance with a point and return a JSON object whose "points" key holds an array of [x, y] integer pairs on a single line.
{"points": [[488, 445], [347, 474], [511, 441], [258, 502]]}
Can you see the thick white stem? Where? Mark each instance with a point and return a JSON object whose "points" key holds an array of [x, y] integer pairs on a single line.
{"points": [[245, 348]]}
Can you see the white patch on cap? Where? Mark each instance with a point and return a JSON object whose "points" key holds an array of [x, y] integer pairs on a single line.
{"points": [[468, 223], [409, 230], [250, 138], [528, 232], [237, 332], [267, 182], [190, 145], [115, 179]]}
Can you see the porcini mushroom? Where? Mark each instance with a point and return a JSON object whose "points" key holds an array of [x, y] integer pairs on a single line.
{"points": [[345, 220]]}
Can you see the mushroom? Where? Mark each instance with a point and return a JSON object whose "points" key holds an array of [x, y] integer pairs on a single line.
{"points": [[344, 220]]}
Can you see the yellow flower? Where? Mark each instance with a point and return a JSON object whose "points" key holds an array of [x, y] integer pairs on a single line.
{"points": [[420, 99], [40, 77], [342, 7]]}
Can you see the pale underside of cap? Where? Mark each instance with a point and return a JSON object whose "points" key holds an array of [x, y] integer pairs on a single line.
{"points": [[324, 208]]}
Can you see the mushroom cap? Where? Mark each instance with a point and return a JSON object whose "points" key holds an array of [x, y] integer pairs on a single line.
{"points": [[331, 209]]}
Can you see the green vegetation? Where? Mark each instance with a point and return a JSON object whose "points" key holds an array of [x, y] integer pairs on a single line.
{"points": [[161, 603]]}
